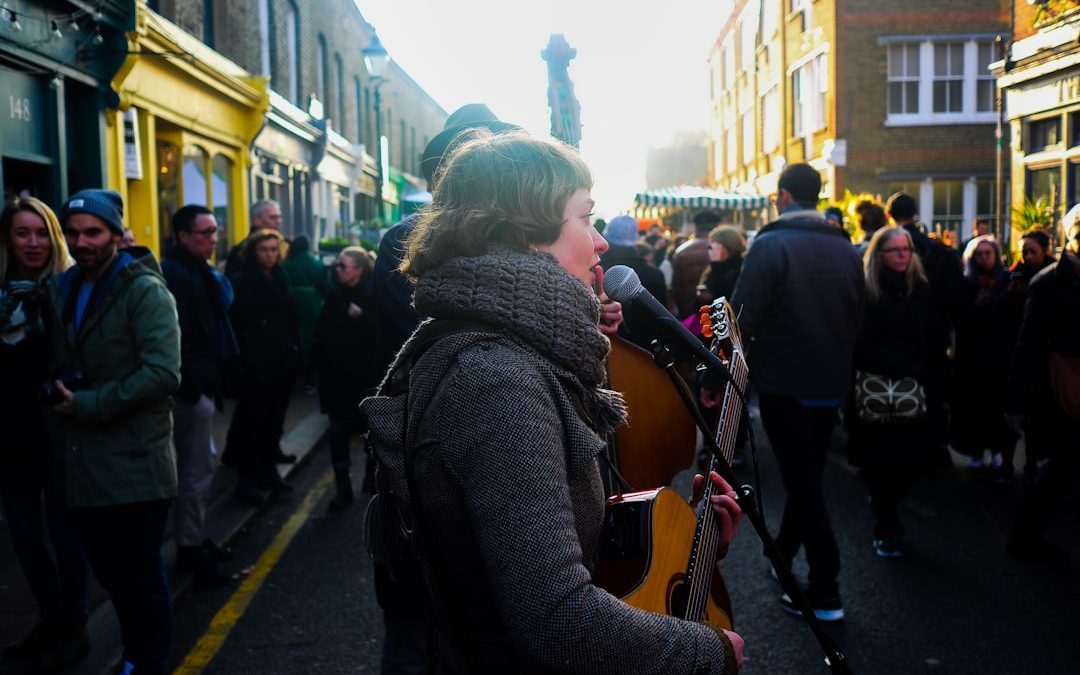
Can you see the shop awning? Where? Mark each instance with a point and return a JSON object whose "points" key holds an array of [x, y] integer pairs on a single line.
{"points": [[693, 196]]}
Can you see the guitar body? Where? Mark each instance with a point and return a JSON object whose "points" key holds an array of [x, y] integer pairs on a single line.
{"points": [[647, 540], [661, 438]]}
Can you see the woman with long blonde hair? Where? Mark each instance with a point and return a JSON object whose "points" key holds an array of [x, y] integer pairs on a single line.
{"points": [[888, 429], [32, 249]]}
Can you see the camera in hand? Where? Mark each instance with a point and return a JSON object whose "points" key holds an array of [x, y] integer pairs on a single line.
{"points": [[50, 394]]}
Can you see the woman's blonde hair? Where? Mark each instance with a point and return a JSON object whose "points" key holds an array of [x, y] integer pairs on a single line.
{"points": [[360, 257], [507, 189], [59, 258], [259, 236], [731, 238], [873, 266]]}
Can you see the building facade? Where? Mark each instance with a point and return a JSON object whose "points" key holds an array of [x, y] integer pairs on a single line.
{"points": [[312, 144], [56, 61], [879, 97], [1040, 78]]}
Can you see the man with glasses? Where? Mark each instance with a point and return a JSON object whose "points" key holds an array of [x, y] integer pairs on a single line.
{"points": [[799, 300], [201, 304]]}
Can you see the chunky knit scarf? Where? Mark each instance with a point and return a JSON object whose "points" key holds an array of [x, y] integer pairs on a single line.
{"points": [[531, 298]]}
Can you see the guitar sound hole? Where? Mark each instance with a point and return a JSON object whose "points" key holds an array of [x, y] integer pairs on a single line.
{"points": [[678, 596]]}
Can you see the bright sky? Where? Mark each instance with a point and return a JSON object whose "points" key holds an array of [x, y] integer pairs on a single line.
{"points": [[640, 71]]}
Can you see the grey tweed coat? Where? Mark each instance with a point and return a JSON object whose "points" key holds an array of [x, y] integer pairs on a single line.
{"points": [[506, 438]]}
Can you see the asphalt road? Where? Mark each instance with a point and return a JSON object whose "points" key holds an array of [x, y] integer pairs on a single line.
{"points": [[954, 604]]}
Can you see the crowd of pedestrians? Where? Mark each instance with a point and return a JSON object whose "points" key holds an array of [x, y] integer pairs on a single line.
{"points": [[914, 346], [115, 366]]}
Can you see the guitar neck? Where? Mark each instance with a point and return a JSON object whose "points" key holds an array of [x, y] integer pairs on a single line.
{"points": [[707, 536]]}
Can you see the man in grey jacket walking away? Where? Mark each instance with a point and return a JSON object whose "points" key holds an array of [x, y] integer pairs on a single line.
{"points": [[800, 298]]}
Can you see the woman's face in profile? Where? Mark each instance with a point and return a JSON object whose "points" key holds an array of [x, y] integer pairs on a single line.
{"points": [[579, 245]]}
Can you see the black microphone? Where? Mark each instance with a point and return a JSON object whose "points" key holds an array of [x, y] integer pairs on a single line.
{"points": [[622, 285]]}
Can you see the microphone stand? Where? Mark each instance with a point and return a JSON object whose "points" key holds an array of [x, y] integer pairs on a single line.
{"points": [[834, 658]]}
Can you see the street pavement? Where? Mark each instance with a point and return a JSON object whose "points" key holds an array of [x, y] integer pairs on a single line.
{"points": [[953, 604], [226, 517]]}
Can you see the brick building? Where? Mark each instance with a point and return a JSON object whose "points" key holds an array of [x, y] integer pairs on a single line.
{"points": [[318, 150], [877, 96]]}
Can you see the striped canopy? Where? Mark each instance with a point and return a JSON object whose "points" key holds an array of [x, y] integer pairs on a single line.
{"points": [[693, 196]]}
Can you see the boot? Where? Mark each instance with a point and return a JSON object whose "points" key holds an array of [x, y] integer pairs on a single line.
{"points": [[344, 498]]}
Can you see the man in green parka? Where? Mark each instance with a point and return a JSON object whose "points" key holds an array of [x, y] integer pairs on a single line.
{"points": [[116, 361]]}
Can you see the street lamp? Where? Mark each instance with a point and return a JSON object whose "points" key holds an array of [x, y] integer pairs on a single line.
{"points": [[376, 58]]}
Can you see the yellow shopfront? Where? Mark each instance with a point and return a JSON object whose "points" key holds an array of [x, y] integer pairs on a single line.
{"points": [[182, 132]]}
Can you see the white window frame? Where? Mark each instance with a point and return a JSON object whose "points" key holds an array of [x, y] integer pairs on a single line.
{"points": [[729, 64], [770, 19], [809, 87], [771, 120], [729, 147], [925, 115], [748, 149], [748, 30]]}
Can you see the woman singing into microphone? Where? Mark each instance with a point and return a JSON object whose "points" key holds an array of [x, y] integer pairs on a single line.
{"points": [[505, 421]]}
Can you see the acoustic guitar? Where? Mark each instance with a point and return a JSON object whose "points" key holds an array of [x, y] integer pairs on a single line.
{"points": [[657, 553]]}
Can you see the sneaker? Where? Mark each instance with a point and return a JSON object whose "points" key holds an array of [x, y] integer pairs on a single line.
{"points": [[887, 547], [996, 460], [825, 608]]}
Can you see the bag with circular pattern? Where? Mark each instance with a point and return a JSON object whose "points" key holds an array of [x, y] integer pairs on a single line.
{"points": [[885, 399]]}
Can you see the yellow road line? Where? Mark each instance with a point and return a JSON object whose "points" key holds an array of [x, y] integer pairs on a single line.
{"points": [[223, 622]]}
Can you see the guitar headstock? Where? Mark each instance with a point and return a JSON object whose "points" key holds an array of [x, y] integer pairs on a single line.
{"points": [[719, 323]]}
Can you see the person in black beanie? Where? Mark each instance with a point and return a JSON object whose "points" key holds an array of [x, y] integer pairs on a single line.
{"points": [[115, 343]]}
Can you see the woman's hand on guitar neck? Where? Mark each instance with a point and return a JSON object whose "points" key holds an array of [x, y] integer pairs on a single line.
{"points": [[610, 311], [727, 510]]}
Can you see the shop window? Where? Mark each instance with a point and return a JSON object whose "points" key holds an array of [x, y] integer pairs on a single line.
{"points": [[948, 204], [1045, 184], [1043, 133], [168, 188], [221, 193], [193, 182]]}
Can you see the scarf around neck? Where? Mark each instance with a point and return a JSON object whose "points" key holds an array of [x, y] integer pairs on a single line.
{"points": [[530, 297]]}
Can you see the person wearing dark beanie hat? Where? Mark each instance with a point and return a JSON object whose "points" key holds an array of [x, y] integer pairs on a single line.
{"points": [[107, 205]]}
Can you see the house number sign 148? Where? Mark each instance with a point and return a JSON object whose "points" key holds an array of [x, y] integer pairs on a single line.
{"points": [[20, 108]]}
